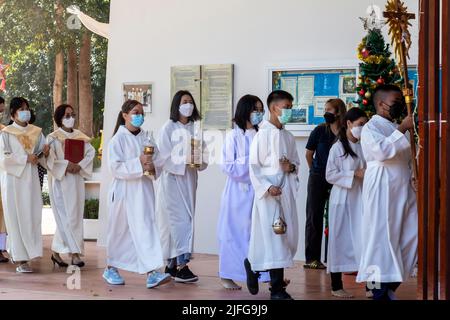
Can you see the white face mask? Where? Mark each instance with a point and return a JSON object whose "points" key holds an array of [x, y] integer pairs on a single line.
{"points": [[68, 123], [356, 132], [186, 109]]}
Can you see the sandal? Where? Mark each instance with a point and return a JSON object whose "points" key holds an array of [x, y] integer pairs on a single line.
{"points": [[342, 294], [314, 265]]}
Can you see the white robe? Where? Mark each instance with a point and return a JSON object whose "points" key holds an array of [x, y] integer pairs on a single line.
{"points": [[133, 241], [177, 189], [390, 220], [67, 194], [345, 209], [22, 197], [268, 250]]}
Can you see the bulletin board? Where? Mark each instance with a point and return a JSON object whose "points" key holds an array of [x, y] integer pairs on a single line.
{"points": [[311, 89]]}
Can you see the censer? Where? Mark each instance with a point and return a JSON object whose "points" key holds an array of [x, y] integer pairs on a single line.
{"points": [[279, 226]]}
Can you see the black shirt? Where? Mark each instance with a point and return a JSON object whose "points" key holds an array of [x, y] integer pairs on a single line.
{"points": [[320, 141]]}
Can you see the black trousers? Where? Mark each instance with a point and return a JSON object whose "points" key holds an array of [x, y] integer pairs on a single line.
{"points": [[382, 292], [336, 281], [318, 194], [276, 280]]}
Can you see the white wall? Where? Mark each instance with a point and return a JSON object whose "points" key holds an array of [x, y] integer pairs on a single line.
{"points": [[150, 36]]}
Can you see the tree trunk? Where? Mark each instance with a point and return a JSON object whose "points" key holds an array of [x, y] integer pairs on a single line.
{"points": [[85, 87], [72, 79], [58, 82]]}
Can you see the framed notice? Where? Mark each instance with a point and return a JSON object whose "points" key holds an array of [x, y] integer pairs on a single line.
{"points": [[312, 85], [212, 89], [141, 92]]}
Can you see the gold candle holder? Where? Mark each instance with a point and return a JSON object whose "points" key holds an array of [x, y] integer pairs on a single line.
{"points": [[149, 151], [195, 161]]}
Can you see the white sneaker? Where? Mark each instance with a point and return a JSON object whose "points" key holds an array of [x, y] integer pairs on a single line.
{"points": [[24, 268]]}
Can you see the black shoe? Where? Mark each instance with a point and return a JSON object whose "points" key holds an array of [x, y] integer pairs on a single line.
{"points": [[280, 295], [60, 263], [185, 275], [171, 271], [79, 264], [252, 278]]}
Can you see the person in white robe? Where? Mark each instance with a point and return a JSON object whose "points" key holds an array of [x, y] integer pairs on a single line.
{"points": [[345, 171], [237, 199], [274, 165], [390, 221], [133, 242], [66, 187], [178, 184], [22, 147]]}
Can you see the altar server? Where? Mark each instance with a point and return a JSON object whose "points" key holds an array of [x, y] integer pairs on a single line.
{"points": [[22, 147], [237, 199], [389, 250], [178, 186], [274, 165], [133, 242], [66, 186], [345, 171]]}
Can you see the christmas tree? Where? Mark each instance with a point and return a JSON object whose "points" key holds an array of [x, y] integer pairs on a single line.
{"points": [[376, 67]]}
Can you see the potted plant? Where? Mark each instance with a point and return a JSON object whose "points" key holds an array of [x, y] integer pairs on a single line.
{"points": [[90, 222]]}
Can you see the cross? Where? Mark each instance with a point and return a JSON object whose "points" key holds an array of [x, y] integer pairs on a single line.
{"points": [[399, 12]]}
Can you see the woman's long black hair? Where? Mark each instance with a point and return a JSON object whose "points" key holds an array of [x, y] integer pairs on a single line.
{"points": [[126, 108], [244, 108], [351, 115]]}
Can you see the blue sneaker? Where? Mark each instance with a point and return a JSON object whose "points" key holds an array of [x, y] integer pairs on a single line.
{"points": [[112, 276], [156, 278]]}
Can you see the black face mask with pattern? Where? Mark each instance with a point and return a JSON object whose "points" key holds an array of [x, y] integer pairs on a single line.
{"points": [[396, 110]]}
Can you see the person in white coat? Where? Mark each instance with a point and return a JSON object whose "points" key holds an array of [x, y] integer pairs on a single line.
{"points": [[274, 165], [178, 185], [66, 187], [22, 147], [345, 171], [235, 218], [390, 221], [133, 242]]}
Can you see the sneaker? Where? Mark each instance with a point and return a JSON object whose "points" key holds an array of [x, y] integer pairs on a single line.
{"points": [[112, 276], [24, 268], [171, 271], [252, 278], [316, 264], [281, 295], [185, 275], [156, 278]]}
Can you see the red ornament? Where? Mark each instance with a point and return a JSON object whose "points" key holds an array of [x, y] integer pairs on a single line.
{"points": [[365, 53], [326, 232], [365, 102], [380, 80], [362, 92]]}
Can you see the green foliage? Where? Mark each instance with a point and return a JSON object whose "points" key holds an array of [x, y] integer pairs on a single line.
{"points": [[30, 37], [91, 208], [96, 144], [376, 68], [45, 198]]}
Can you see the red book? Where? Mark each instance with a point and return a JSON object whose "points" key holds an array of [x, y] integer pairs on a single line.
{"points": [[73, 150]]}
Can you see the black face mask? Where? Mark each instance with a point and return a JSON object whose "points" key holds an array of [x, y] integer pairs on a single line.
{"points": [[396, 110], [329, 117]]}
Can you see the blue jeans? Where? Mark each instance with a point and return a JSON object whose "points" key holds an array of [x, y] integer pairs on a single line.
{"points": [[179, 261]]}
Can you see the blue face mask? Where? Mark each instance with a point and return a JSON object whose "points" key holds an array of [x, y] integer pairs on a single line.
{"points": [[256, 118], [286, 116], [137, 120], [24, 116]]}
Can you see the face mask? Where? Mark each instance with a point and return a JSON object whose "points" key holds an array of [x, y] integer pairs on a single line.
{"points": [[137, 120], [286, 115], [356, 132], [68, 122], [396, 110], [256, 118], [329, 117], [24, 116], [186, 109]]}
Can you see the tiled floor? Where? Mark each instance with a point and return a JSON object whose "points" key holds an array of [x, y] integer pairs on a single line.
{"points": [[50, 283]]}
